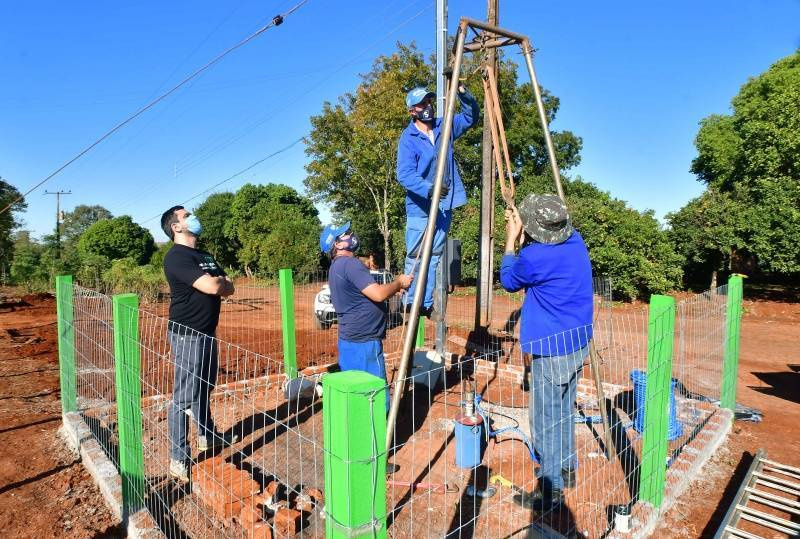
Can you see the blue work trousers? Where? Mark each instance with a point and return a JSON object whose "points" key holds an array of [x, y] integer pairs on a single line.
{"points": [[195, 376], [364, 356], [415, 230], [551, 410]]}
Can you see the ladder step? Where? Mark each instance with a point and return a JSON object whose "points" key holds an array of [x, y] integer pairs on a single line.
{"points": [[741, 533], [773, 497], [778, 487], [784, 482], [768, 524], [773, 469], [775, 505], [761, 514], [781, 466]]}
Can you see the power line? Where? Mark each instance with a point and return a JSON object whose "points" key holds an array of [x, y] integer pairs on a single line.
{"points": [[276, 21], [229, 178]]}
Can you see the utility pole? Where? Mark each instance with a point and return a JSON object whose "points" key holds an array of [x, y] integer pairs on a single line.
{"points": [[442, 272], [58, 217], [483, 295]]}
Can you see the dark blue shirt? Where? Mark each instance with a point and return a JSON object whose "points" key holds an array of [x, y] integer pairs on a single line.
{"points": [[557, 312], [360, 318]]}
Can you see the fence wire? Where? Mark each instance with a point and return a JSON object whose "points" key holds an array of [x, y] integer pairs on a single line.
{"points": [[449, 474]]}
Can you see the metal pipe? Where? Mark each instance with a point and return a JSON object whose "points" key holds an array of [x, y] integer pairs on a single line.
{"points": [[537, 92], [481, 25], [490, 44], [427, 244]]}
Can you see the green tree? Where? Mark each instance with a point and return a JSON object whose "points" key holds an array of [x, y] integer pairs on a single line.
{"points": [[276, 228], [353, 144], [117, 238], [77, 221], [8, 223], [704, 232], [752, 156], [27, 268], [628, 246], [214, 213]]}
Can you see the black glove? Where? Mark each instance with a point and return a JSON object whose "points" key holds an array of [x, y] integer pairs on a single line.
{"points": [[444, 193]]}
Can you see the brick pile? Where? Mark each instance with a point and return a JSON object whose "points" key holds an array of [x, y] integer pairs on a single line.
{"points": [[233, 496]]}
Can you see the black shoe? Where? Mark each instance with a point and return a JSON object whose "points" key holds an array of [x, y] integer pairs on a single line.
{"points": [[539, 501], [568, 476]]}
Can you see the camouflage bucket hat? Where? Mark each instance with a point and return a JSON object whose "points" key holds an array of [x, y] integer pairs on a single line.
{"points": [[545, 218]]}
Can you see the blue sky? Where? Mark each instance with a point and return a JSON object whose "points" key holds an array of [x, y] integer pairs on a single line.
{"points": [[634, 79]]}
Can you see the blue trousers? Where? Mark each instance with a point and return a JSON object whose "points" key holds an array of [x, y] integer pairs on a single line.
{"points": [[551, 410], [415, 230], [196, 369], [364, 356]]}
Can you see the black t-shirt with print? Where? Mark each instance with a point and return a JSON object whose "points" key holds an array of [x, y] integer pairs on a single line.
{"points": [[188, 306]]}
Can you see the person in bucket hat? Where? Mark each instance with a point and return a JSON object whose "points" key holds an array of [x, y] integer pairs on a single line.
{"points": [[553, 268], [417, 151], [359, 301]]}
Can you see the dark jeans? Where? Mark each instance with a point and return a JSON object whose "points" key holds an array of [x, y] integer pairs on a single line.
{"points": [[551, 410], [195, 376]]}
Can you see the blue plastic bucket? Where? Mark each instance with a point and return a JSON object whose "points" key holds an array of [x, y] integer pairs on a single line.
{"points": [[470, 443], [639, 379]]}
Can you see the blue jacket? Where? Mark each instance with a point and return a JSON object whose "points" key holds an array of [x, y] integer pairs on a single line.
{"points": [[557, 311], [416, 161]]}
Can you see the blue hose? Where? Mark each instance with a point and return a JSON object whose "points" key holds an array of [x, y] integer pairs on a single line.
{"points": [[493, 433]]}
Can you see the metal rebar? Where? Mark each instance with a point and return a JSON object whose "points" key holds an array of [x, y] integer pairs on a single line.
{"points": [[537, 92], [427, 244]]}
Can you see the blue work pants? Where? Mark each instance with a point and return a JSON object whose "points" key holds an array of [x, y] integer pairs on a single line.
{"points": [[415, 230]]}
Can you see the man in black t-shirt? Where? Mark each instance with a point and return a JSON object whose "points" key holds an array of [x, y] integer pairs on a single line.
{"points": [[196, 284]]}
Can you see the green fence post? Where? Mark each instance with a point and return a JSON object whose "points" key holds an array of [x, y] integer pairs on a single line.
{"points": [[733, 324], [354, 431], [127, 364], [66, 344], [660, 336], [287, 322], [421, 332]]}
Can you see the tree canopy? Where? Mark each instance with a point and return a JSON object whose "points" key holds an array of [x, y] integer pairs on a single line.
{"points": [[118, 238], [77, 221], [276, 228], [750, 161], [214, 213], [8, 223]]}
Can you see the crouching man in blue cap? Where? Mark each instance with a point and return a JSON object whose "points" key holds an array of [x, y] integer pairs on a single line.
{"points": [[359, 301], [416, 172]]}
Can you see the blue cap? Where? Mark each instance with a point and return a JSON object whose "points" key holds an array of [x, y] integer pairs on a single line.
{"points": [[329, 235], [417, 96]]}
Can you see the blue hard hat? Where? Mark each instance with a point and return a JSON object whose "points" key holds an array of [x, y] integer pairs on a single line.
{"points": [[329, 235], [417, 96]]}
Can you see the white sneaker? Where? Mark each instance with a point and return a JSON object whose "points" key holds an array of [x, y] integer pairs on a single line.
{"points": [[216, 440], [178, 470]]}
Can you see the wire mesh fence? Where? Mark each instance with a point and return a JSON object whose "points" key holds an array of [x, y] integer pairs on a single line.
{"points": [[479, 425]]}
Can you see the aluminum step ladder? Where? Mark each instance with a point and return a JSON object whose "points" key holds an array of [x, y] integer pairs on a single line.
{"points": [[775, 487]]}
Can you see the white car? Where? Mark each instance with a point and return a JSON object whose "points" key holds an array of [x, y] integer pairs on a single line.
{"points": [[325, 315]]}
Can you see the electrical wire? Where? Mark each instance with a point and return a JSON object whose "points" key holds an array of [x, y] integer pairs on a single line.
{"points": [[252, 165], [211, 149], [276, 21]]}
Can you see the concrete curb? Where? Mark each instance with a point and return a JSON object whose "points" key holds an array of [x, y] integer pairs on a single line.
{"points": [[79, 439]]}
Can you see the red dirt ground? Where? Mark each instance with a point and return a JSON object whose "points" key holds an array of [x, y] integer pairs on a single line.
{"points": [[45, 492], [44, 489]]}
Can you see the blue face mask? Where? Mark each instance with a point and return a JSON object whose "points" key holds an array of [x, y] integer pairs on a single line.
{"points": [[193, 225]]}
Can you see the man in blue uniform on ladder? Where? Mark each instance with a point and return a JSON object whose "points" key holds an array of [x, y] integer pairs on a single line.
{"points": [[416, 171]]}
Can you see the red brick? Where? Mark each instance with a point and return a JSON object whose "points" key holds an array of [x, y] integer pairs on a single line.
{"points": [[316, 495], [287, 521], [250, 515], [260, 531]]}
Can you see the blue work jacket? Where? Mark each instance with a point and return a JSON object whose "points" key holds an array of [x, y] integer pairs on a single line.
{"points": [[416, 161], [556, 316]]}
